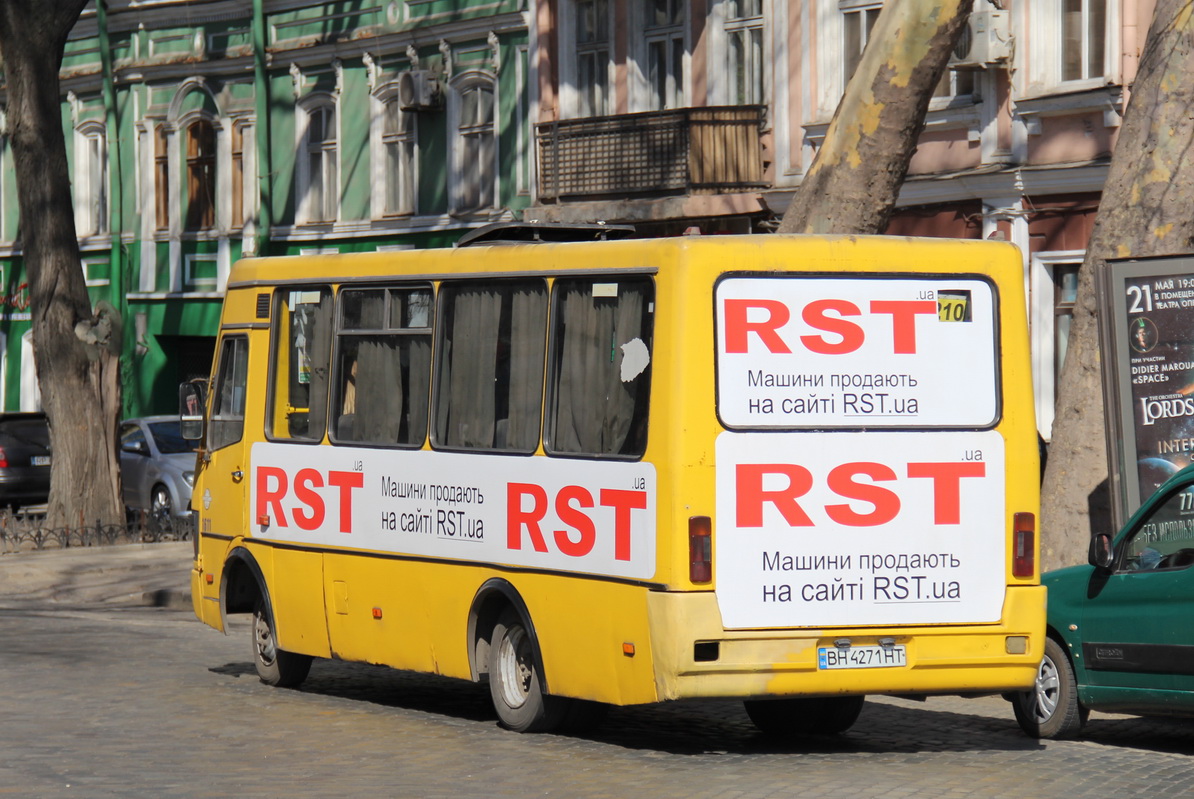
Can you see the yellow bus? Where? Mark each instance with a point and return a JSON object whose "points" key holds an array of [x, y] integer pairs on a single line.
{"points": [[791, 470]]}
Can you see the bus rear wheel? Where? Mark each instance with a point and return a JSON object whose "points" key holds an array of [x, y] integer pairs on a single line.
{"points": [[827, 715], [515, 681], [275, 666]]}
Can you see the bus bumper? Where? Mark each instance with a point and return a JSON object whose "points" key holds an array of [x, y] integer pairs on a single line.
{"points": [[695, 657]]}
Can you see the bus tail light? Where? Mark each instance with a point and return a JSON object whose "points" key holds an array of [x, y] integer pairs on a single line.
{"points": [[700, 549], [1024, 545]]}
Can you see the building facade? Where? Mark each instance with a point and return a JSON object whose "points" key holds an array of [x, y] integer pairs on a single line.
{"points": [[1017, 141], [202, 131]]}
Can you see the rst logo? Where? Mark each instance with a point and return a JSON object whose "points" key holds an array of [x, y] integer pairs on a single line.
{"points": [[305, 500], [877, 486], [757, 325], [573, 530]]}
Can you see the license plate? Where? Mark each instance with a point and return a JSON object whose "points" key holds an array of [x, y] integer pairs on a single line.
{"points": [[40, 460], [861, 657]]}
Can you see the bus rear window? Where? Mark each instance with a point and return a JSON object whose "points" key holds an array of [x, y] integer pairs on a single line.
{"points": [[600, 370]]}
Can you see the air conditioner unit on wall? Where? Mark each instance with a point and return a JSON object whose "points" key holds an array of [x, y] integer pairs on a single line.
{"points": [[419, 90], [987, 40]]}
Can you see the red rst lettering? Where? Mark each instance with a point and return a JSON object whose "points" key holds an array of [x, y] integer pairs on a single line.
{"points": [[738, 326], [751, 496], [886, 502], [516, 517], [576, 519], [851, 334], [903, 321], [305, 483], [946, 479], [267, 497], [346, 481], [623, 502]]}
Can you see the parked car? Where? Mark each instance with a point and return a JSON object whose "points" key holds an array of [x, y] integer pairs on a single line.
{"points": [[157, 465], [1119, 628], [24, 459]]}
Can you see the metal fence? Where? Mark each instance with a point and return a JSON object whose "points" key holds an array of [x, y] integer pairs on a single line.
{"points": [[25, 532]]}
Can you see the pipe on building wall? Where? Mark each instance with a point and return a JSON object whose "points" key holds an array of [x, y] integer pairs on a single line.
{"points": [[261, 137], [116, 259]]}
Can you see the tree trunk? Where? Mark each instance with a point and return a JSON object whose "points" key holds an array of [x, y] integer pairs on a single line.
{"points": [[854, 181], [76, 350], [1146, 210]]}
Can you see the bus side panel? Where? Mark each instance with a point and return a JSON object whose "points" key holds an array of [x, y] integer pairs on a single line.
{"points": [[593, 637], [400, 613], [297, 598]]}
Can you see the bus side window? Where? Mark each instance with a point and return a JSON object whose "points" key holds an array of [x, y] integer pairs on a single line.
{"points": [[383, 362], [600, 374], [489, 373], [301, 334], [228, 399]]}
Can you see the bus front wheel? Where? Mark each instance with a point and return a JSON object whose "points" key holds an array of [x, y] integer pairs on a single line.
{"points": [[275, 666], [828, 715], [515, 683]]}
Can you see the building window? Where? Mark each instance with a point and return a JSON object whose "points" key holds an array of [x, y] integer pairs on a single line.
{"points": [[201, 175], [318, 172], [476, 146], [858, 20], [955, 83], [398, 157], [665, 53], [91, 181], [161, 177], [1083, 39], [744, 33], [592, 57], [1065, 294], [237, 147]]}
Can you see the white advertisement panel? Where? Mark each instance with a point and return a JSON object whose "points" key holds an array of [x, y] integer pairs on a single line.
{"points": [[849, 528], [571, 515], [854, 352]]}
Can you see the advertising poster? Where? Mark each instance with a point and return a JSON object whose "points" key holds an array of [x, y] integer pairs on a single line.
{"points": [[859, 481], [1151, 342]]}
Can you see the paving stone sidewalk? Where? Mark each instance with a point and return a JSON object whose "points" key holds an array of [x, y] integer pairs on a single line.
{"points": [[123, 574]]}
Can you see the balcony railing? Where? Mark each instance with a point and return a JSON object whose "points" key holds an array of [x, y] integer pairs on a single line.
{"points": [[658, 153]]}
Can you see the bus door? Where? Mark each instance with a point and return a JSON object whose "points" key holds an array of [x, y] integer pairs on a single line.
{"points": [[221, 498]]}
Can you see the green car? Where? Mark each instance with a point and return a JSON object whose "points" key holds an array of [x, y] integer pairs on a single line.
{"points": [[1120, 637]]}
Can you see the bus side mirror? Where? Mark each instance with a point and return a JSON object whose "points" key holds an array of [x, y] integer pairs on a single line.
{"points": [[192, 399], [1101, 554]]}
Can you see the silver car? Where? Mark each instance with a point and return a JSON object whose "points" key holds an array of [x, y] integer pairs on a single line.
{"points": [[157, 466]]}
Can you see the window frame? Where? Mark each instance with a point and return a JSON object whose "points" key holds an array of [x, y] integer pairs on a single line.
{"points": [[1045, 19], [743, 91], [200, 175], [387, 329], [673, 37], [461, 165], [575, 103], [92, 211], [444, 321], [381, 140], [327, 210], [553, 356], [280, 303], [239, 343]]}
